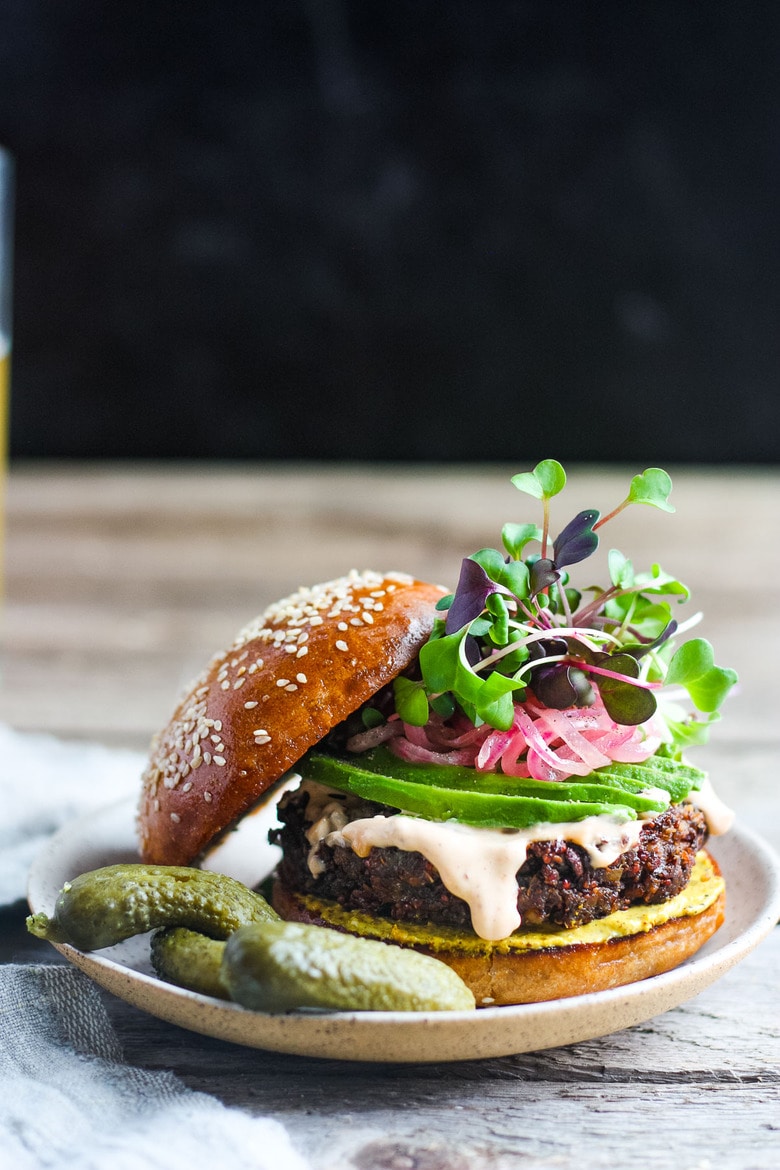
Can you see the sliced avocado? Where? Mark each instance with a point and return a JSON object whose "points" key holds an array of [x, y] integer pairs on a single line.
{"points": [[451, 792]]}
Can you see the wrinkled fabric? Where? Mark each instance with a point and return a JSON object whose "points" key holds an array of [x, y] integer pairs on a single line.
{"points": [[67, 1098]]}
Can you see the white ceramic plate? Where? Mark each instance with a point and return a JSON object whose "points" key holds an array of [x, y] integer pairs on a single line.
{"points": [[752, 873]]}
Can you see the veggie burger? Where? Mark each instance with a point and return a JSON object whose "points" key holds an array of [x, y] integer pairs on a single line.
{"points": [[494, 776]]}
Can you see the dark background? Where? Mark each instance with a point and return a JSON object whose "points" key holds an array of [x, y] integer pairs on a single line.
{"points": [[396, 230]]}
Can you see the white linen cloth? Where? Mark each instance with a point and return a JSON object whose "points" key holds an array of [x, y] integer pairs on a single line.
{"points": [[67, 1097]]}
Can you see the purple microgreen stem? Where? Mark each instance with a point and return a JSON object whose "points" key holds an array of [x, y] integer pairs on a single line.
{"points": [[634, 682], [611, 515], [545, 525], [543, 635], [584, 617]]}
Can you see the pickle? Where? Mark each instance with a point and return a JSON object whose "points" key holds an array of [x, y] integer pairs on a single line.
{"points": [[189, 959], [105, 906], [278, 966]]}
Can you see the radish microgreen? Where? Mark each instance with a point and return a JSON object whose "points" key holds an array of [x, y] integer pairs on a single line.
{"points": [[515, 624]]}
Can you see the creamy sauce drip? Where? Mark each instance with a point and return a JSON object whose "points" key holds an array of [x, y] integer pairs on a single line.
{"points": [[480, 865], [719, 816]]}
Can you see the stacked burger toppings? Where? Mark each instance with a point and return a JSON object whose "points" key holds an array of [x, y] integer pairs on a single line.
{"points": [[491, 775]]}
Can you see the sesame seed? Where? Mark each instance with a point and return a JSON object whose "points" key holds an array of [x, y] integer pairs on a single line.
{"points": [[261, 739], [186, 787], [304, 650], [225, 685], [207, 797], [368, 618], [217, 724], [343, 626], [283, 682], [341, 645], [219, 761], [291, 687], [207, 757], [355, 622], [239, 683], [252, 703], [196, 762], [301, 678], [175, 818]]}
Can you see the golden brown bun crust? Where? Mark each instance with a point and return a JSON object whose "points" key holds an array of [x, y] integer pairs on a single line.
{"points": [[291, 675], [557, 972]]}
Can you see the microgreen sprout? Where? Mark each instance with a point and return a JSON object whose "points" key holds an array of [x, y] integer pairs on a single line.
{"points": [[515, 623]]}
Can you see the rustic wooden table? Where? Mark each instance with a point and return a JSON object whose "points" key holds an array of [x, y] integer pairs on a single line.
{"points": [[121, 581]]}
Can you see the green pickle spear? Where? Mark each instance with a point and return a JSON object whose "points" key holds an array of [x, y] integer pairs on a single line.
{"points": [[189, 959], [105, 906], [280, 966], [266, 964]]}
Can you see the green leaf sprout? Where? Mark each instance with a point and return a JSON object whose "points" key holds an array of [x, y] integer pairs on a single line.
{"points": [[651, 487], [693, 665], [411, 701]]}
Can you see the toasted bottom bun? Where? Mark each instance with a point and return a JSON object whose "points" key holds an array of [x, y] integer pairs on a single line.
{"points": [[534, 965]]}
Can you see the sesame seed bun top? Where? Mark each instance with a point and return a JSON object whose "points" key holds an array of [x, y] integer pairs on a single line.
{"points": [[289, 677]]}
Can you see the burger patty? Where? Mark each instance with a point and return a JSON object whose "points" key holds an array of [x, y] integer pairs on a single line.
{"points": [[557, 884]]}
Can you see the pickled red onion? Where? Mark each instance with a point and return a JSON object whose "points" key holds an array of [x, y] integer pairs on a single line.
{"points": [[543, 743]]}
